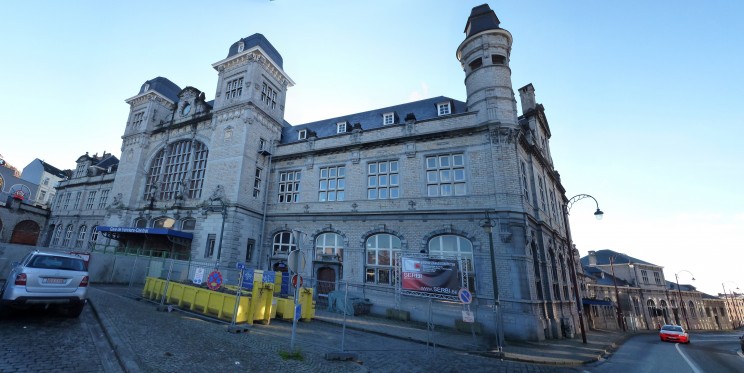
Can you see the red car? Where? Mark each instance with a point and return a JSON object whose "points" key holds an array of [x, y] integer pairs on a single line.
{"points": [[673, 333]]}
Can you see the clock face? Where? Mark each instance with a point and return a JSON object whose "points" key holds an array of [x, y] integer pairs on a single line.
{"points": [[186, 110]]}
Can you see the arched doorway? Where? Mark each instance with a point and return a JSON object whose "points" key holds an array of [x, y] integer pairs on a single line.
{"points": [[25, 233]]}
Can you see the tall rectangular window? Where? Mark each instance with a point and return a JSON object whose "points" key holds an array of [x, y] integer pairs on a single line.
{"points": [[525, 185], [91, 200], [234, 88], [78, 195], [68, 195], [137, 120], [80, 171], [289, 186], [257, 182], [445, 175], [644, 275], [103, 199], [268, 96], [657, 278], [542, 192], [383, 180], [209, 250], [332, 184]]}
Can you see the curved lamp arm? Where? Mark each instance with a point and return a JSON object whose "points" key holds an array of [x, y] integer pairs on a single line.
{"points": [[598, 214]]}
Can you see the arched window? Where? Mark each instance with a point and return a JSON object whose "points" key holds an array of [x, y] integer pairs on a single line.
{"points": [[691, 307], [57, 235], [380, 253], [177, 170], [554, 272], [188, 224], [164, 222], [93, 238], [82, 232], [329, 246], [284, 242], [651, 307], [140, 223], [448, 245], [68, 236]]}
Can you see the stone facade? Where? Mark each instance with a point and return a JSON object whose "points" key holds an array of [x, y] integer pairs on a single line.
{"points": [[427, 177]]}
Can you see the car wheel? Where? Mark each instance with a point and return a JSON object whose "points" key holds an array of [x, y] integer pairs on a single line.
{"points": [[73, 310]]}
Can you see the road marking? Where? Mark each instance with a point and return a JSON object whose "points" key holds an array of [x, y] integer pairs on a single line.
{"points": [[689, 362]]}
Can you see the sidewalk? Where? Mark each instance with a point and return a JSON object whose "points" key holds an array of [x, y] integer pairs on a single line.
{"points": [[111, 303], [567, 352]]}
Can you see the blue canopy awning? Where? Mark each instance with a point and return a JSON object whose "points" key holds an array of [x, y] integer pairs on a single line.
{"points": [[596, 302], [153, 231]]}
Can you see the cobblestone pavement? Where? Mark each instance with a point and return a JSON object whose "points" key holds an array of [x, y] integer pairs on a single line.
{"points": [[42, 341], [152, 341]]}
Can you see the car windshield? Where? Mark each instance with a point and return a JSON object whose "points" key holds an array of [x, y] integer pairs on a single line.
{"points": [[672, 328], [57, 262]]}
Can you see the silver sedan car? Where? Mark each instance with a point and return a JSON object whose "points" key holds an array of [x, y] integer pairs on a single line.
{"points": [[47, 279]]}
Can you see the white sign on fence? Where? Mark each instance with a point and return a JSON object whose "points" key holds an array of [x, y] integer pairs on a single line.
{"points": [[198, 276], [467, 316]]}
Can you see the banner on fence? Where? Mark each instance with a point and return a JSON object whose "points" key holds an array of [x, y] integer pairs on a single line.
{"points": [[437, 276]]}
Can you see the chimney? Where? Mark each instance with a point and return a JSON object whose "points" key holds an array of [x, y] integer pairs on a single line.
{"points": [[592, 258], [527, 98]]}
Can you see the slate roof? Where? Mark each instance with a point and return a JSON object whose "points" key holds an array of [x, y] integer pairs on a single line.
{"points": [[163, 86], [51, 169], [260, 41], [481, 18], [422, 110], [603, 258], [604, 278]]}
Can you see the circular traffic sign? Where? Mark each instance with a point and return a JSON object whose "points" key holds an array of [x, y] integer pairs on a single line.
{"points": [[214, 281], [295, 279], [465, 296], [296, 261]]}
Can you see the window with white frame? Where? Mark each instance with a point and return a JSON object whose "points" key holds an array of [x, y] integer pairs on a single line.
{"points": [[91, 200], [57, 235], [42, 195], [82, 232], [78, 195], [284, 242], [80, 171], [388, 119], [332, 184], [329, 246], [93, 238], [209, 249], [46, 181], [68, 195], [380, 250], [241, 46], [289, 186], [443, 108], [383, 180], [448, 246], [257, 182], [302, 134], [234, 88], [341, 127], [445, 175], [137, 119], [177, 169], [262, 144], [644, 275], [103, 199], [68, 236], [268, 96]]}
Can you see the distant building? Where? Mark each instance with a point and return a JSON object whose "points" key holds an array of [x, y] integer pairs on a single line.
{"points": [[646, 299], [81, 203], [46, 177], [20, 221]]}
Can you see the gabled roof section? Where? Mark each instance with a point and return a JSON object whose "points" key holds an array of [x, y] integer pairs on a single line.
{"points": [[603, 258], [51, 169], [481, 18], [257, 40], [421, 110]]}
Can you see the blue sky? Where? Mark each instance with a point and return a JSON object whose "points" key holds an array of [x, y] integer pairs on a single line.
{"points": [[641, 96]]}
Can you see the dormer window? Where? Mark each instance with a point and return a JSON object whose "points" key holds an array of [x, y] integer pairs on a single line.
{"points": [[302, 135], [146, 88], [241, 46], [341, 127], [388, 119], [443, 108]]}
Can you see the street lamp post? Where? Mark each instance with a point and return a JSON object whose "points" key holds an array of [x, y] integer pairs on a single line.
{"points": [[488, 227], [735, 319], [572, 270], [679, 292], [619, 307]]}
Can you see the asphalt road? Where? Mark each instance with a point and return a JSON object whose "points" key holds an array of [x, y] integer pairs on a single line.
{"points": [[708, 352]]}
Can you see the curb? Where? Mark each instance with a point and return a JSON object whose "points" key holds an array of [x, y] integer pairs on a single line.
{"points": [[124, 354]]}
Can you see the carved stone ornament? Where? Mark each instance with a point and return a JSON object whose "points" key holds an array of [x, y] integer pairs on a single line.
{"points": [[503, 135]]}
